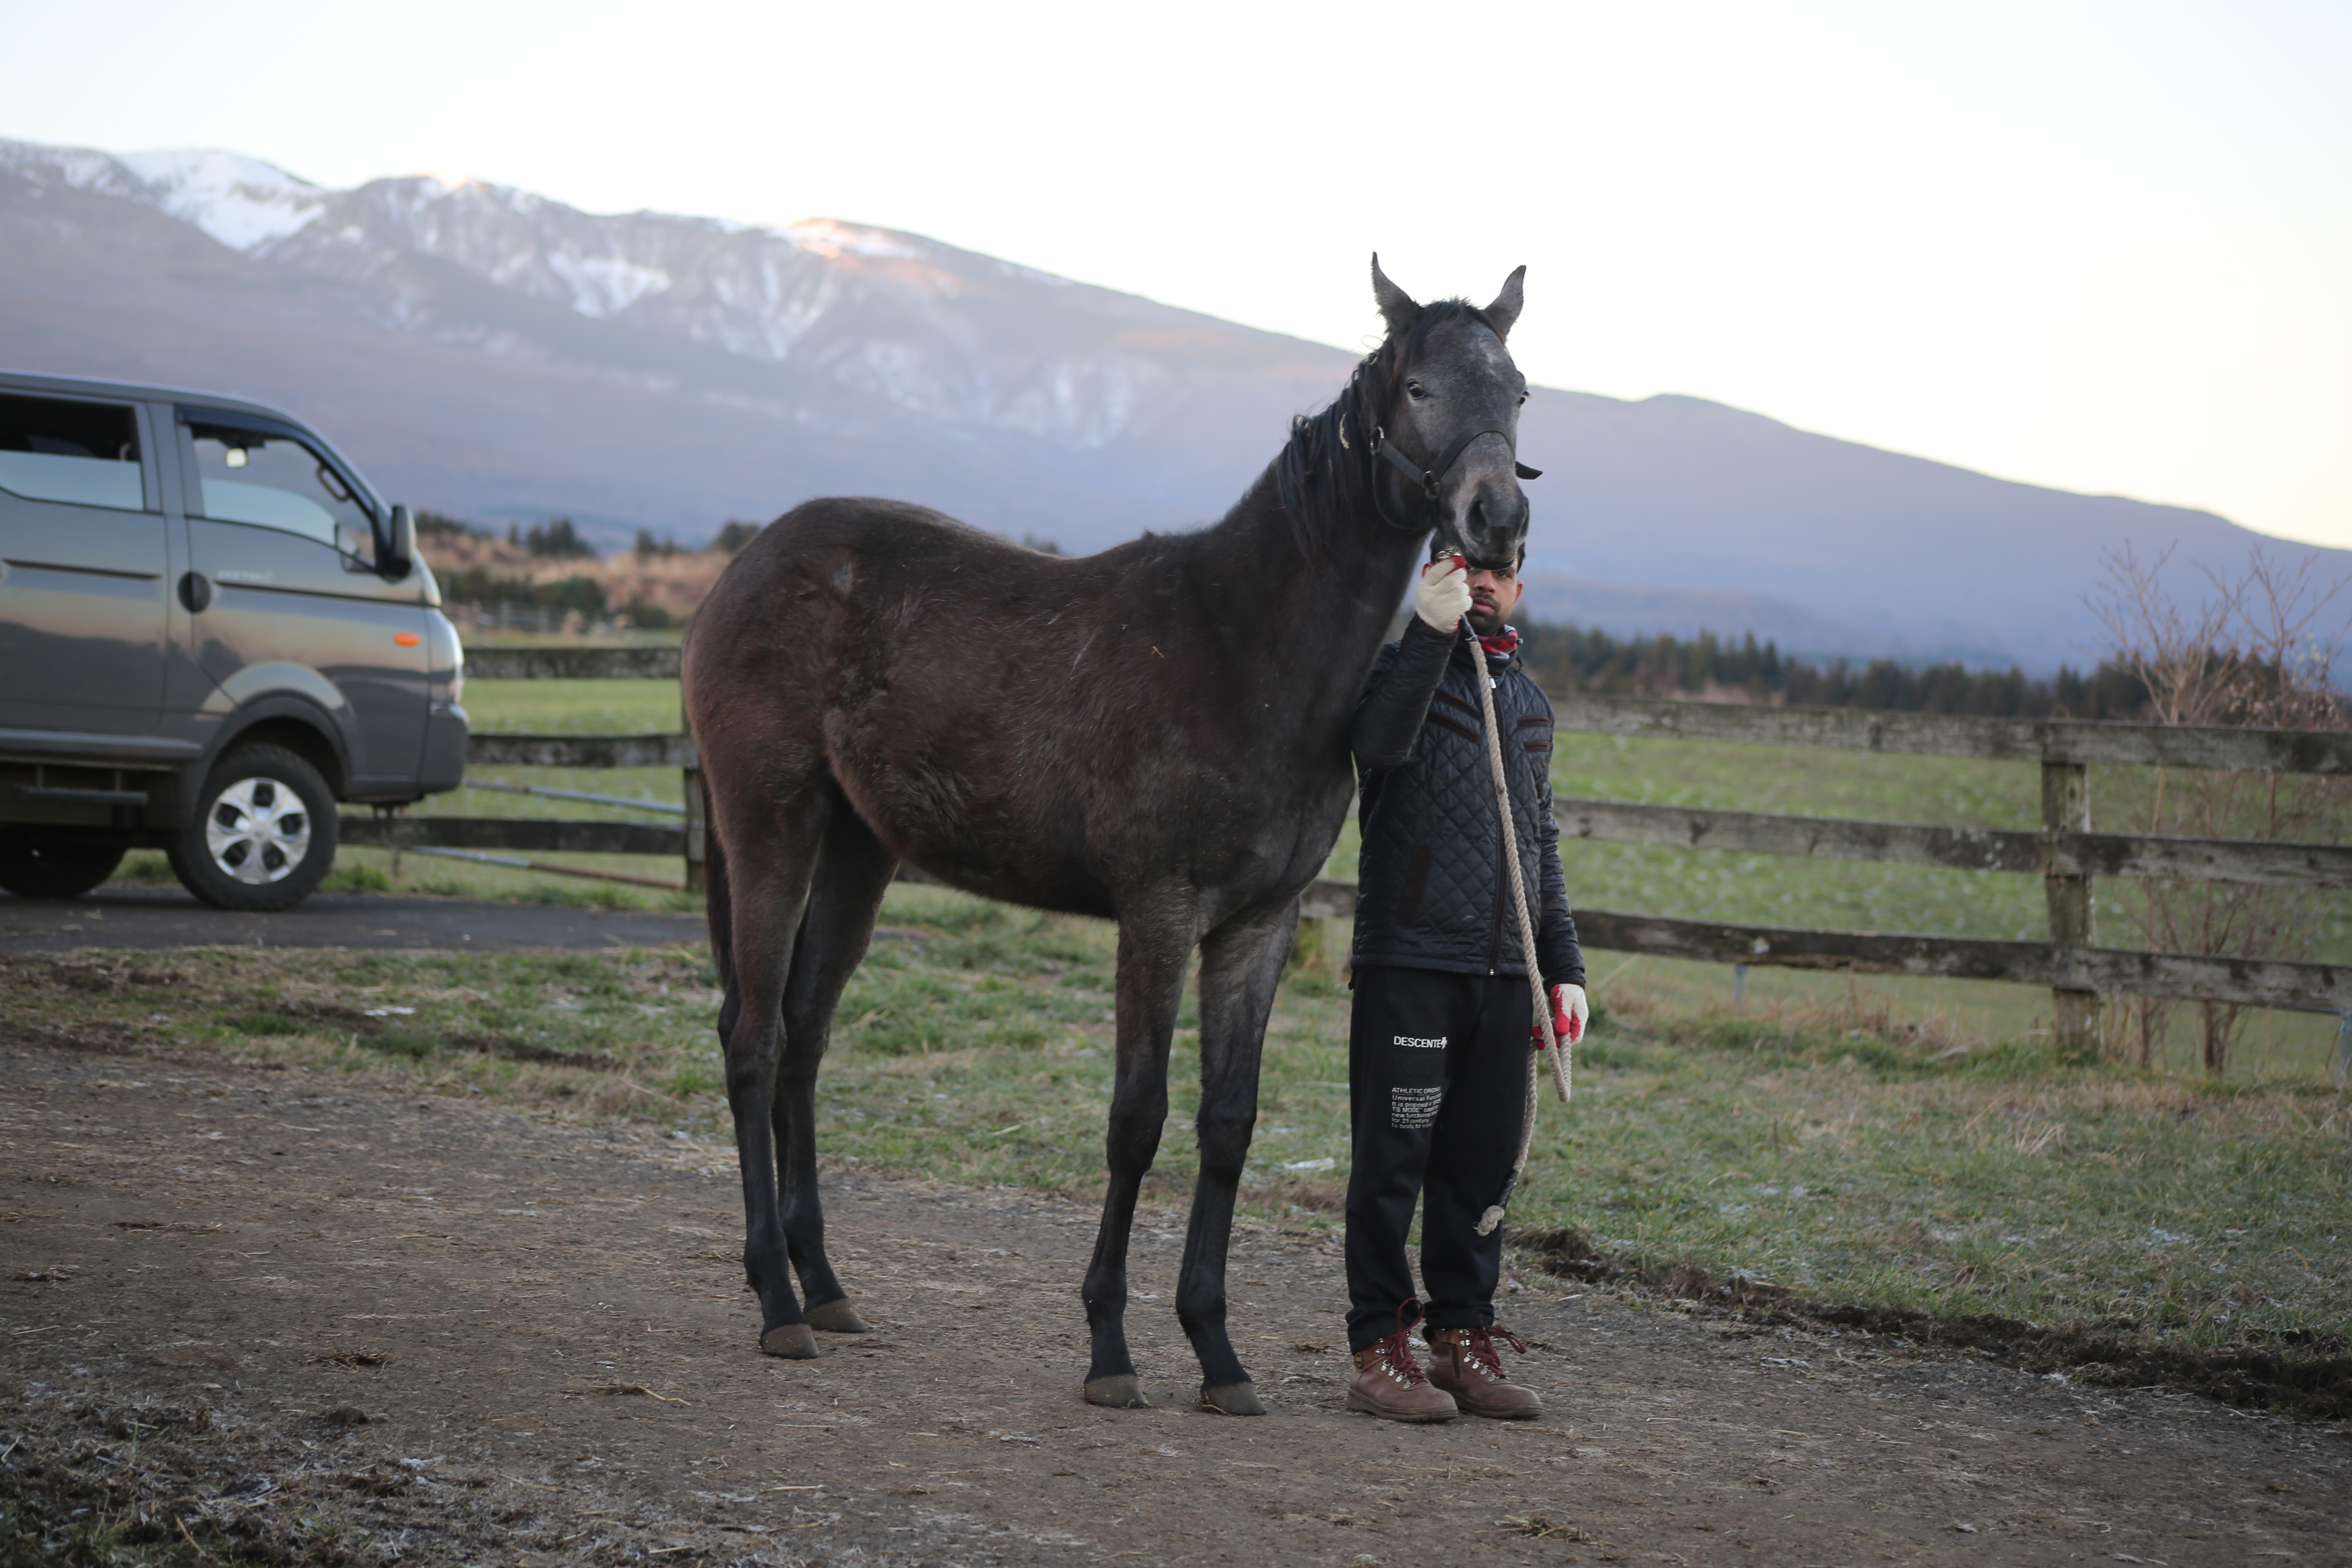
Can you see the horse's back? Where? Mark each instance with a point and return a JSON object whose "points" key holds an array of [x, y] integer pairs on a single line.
{"points": [[1029, 727], [864, 567]]}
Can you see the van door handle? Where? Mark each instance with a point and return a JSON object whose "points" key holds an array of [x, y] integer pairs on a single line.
{"points": [[196, 593]]}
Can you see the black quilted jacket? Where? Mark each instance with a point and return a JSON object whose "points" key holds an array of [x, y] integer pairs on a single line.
{"points": [[1432, 885]]}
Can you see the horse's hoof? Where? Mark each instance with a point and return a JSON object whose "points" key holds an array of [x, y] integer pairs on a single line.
{"points": [[1231, 1399], [1124, 1391], [792, 1341], [838, 1317]]}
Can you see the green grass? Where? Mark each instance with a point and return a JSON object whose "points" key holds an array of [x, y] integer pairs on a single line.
{"points": [[573, 706], [1833, 1162], [1874, 786], [1859, 1144]]}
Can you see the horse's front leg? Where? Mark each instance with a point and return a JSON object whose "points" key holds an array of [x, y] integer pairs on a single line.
{"points": [[1240, 964], [1153, 946]]}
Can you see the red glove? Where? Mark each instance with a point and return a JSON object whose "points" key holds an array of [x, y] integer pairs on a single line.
{"points": [[1570, 1010]]}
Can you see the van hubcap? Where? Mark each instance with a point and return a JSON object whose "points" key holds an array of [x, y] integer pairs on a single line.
{"points": [[258, 831]]}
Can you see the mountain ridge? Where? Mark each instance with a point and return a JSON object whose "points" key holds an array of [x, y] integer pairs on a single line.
{"points": [[487, 352]]}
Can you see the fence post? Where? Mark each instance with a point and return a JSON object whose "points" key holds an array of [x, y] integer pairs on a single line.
{"points": [[2066, 808]]}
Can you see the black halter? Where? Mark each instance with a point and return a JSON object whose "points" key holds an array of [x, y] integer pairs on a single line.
{"points": [[1427, 479]]}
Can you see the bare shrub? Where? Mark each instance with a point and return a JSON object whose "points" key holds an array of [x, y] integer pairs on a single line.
{"points": [[2259, 651]]}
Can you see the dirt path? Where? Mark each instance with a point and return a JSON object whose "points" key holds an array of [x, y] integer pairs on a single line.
{"points": [[212, 1275]]}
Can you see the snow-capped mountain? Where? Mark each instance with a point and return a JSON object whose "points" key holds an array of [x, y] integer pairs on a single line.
{"points": [[748, 290], [486, 351], [242, 202]]}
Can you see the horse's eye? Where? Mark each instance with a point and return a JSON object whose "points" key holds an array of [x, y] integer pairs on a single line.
{"points": [[1523, 397], [1415, 390]]}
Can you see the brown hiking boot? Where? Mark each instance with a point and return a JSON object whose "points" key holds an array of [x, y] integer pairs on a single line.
{"points": [[1390, 1383], [1463, 1362]]}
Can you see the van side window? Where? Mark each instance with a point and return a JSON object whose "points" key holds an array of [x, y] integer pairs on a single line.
{"points": [[85, 453], [275, 481]]}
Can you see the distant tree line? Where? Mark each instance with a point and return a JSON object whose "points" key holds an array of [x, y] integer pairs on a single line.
{"points": [[558, 538], [1578, 658], [479, 585], [441, 525]]}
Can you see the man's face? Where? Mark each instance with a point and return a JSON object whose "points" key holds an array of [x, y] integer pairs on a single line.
{"points": [[1493, 597]]}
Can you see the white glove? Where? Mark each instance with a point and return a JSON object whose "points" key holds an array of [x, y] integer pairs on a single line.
{"points": [[1442, 597], [1569, 1014]]}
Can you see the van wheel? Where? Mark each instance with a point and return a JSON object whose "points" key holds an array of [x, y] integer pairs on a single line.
{"points": [[263, 836], [32, 866]]}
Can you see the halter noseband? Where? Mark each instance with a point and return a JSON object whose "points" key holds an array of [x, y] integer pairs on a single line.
{"points": [[1427, 479]]}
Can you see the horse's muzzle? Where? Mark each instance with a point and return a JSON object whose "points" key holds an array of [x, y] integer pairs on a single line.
{"points": [[1494, 529]]}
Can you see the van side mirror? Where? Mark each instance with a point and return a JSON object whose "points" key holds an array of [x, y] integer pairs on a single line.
{"points": [[400, 555]]}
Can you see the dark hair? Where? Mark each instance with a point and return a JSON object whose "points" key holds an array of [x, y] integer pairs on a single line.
{"points": [[1325, 474]]}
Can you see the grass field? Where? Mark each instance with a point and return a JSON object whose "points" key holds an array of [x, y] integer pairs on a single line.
{"points": [[1759, 889], [1848, 1147]]}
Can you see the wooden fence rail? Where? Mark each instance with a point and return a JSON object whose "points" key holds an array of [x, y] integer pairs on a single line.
{"points": [[1601, 821], [2327, 987], [2064, 853], [580, 751], [1960, 848]]}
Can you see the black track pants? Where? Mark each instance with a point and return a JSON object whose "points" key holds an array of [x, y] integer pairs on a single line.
{"points": [[1437, 1086]]}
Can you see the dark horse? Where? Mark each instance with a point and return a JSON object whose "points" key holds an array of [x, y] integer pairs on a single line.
{"points": [[1156, 734]]}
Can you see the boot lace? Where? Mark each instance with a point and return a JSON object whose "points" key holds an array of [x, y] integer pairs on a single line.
{"points": [[1396, 1354], [1396, 1350], [1478, 1348]]}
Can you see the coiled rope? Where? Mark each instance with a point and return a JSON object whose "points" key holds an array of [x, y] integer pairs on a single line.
{"points": [[1561, 1068]]}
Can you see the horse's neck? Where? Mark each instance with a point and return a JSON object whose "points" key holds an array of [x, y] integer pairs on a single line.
{"points": [[1321, 619]]}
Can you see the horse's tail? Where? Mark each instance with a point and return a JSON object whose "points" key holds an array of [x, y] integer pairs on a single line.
{"points": [[716, 902]]}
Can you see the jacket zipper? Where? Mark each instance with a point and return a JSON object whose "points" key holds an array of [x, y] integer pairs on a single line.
{"points": [[1502, 860]]}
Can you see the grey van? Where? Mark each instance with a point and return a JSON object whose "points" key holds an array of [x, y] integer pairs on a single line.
{"points": [[211, 631]]}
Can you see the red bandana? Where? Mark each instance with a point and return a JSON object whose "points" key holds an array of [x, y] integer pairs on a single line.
{"points": [[1503, 645]]}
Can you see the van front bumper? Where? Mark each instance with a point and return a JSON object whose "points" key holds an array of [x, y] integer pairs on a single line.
{"points": [[445, 730]]}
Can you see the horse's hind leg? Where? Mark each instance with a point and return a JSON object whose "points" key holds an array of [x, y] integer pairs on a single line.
{"points": [[852, 872], [1240, 963], [771, 852]]}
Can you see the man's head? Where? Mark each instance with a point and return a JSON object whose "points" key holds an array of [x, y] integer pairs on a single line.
{"points": [[1494, 594]]}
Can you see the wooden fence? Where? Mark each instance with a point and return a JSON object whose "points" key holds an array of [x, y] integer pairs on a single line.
{"points": [[2065, 854]]}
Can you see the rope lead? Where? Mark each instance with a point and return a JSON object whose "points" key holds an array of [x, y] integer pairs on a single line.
{"points": [[1558, 1048]]}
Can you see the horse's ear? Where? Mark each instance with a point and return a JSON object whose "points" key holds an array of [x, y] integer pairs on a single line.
{"points": [[1397, 307], [1504, 310]]}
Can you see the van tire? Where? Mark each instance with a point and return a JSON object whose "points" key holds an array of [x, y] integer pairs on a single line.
{"points": [[32, 866], [245, 849]]}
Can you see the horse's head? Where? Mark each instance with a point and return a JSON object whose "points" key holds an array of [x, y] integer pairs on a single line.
{"points": [[1446, 448]]}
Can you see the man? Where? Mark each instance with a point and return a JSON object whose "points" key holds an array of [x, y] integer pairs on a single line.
{"points": [[1439, 1037]]}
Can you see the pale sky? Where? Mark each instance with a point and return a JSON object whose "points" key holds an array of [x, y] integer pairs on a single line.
{"points": [[2101, 245]]}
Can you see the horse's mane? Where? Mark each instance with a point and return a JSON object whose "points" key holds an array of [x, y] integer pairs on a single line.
{"points": [[1326, 472]]}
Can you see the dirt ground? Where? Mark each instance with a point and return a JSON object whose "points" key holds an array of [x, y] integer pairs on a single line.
{"points": [[263, 1316]]}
